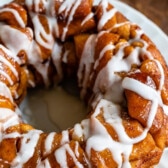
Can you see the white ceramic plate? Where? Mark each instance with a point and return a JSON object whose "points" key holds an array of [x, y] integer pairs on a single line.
{"points": [[40, 105]]}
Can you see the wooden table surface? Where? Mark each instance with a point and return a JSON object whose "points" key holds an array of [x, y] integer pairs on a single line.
{"points": [[155, 10]]}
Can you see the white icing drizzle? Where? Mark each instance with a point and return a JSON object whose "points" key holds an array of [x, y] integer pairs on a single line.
{"points": [[6, 76], [68, 6], [29, 3], [35, 3], [4, 91], [56, 58], [107, 83], [87, 18], [104, 50], [65, 137], [84, 72], [65, 56], [76, 149], [40, 34], [34, 59], [77, 130], [61, 157], [93, 131], [28, 144], [15, 14], [43, 70], [106, 14], [7, 118], [146, 92], [55, 26], [11, 135], [122, 24], [86, 61], [42, 37], [119, 64], [10, 35], [6, 62], [11, 55], [48, 6], [48, 142]]}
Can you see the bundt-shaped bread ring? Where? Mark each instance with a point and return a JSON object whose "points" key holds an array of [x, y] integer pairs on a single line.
{"points": [[121, 75]]}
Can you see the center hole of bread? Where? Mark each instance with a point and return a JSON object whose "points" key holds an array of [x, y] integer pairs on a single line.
{"points": [[53, 109]]}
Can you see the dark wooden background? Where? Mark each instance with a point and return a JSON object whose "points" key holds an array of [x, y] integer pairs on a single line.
{"points": [[155, 10]]}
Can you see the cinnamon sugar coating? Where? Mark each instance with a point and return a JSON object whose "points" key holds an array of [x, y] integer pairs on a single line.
{"points": [[121, 75]]}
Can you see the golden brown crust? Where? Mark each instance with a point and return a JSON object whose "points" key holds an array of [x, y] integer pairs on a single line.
{"points": [[10, 18], [118, 37]]}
